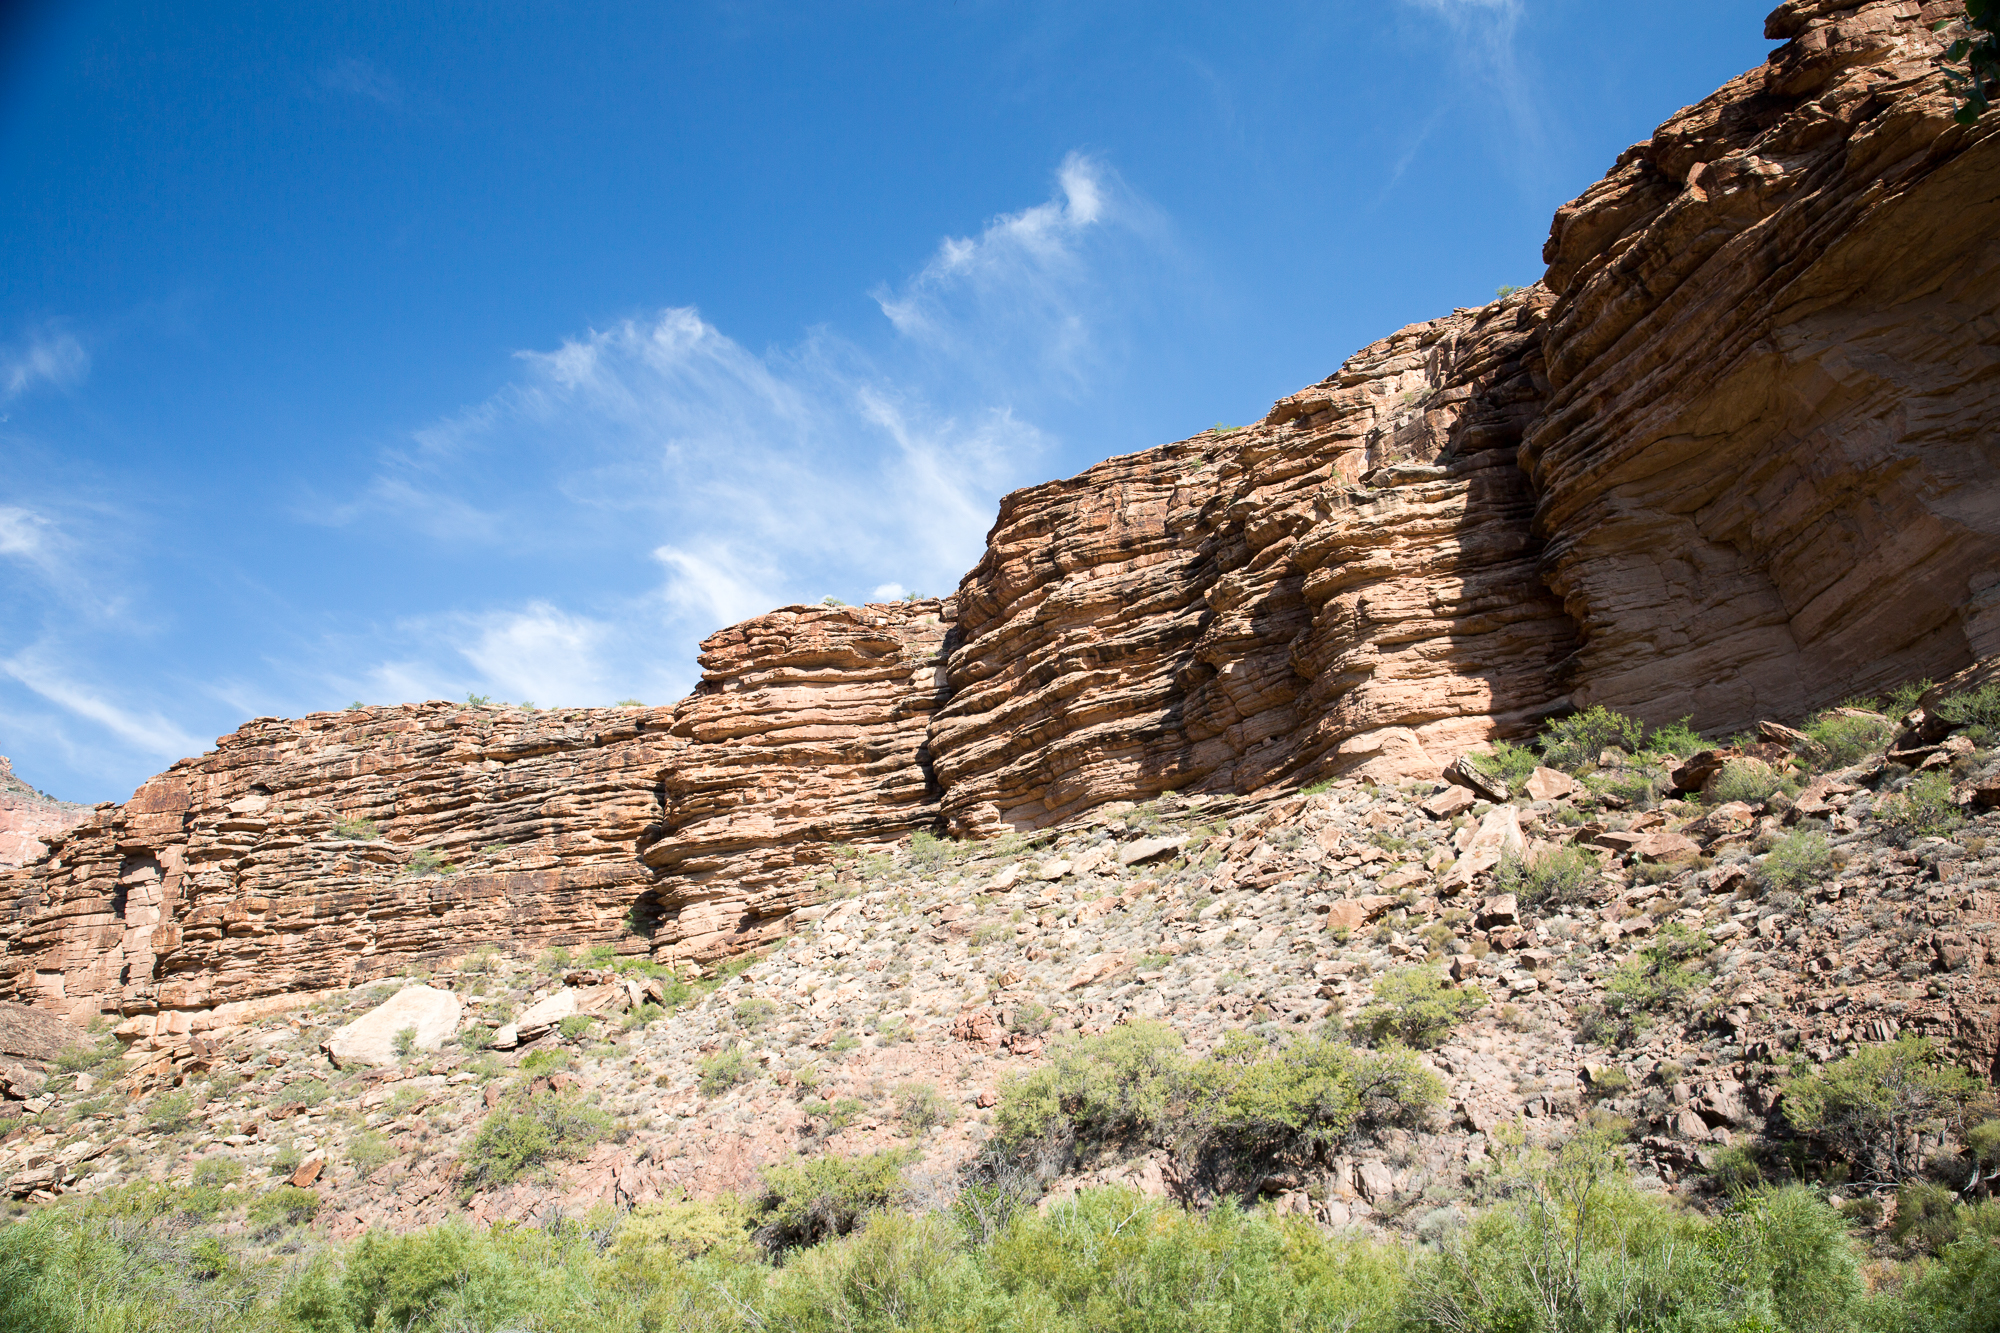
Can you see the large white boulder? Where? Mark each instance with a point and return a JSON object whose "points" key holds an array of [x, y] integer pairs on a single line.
{"points": [[371, 1038]]}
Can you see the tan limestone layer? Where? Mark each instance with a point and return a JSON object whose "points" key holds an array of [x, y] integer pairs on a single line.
{"points": [[1347, 586], [248, 873], [805, 736], [1766, 462]]}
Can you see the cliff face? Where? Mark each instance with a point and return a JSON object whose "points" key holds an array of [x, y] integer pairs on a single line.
{"points": [[1766, 462], [1733, 459], [26, 815]]}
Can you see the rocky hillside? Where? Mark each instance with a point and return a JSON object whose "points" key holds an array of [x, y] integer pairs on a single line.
{"points": [[1657, 965], [1198, 742]]}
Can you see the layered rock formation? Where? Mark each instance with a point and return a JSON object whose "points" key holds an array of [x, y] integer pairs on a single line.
{"points": [[1349, 585], [1766, 463], [301, 856], [1733, 459], [26, 815]]}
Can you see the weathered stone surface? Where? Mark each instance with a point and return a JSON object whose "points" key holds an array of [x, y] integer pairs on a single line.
{"points": [[1547, 784], [1451, 801], [430, 1014], [26, 815], [1764, 465]]}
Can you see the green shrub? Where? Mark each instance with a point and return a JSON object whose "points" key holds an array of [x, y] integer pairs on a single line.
{"points": [[217, 1171], [654, 1233], [1510, 763], [920, 1108], [81, 1059], [1798, 860], [1563, 877], [545, 1127], [356, 830], [171, 1112], [1978, 712], [284, 1205], [1960, 1291], [573, 1026], [405, 1041], [929, 852], [1844, 740], [544, 1061], [1676, 738], [1418, 1007], [1866, 1107], [753, 1013], [806, 1201], [1576, 741], [369, 1150], [1136, 1085], [1653, 982], [1926, 1217], [1735, 1169], [644, 1016], [1748, 780], [421, 1279], [722, 1071], [1923, 808]]}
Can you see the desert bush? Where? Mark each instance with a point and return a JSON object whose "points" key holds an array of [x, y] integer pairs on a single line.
{"points": [[1749, 780], [1136, 1085], [1978, 712], [355, 830], [1676, 738], [807, 1200], [1960, 1291], [753, 1013], [1508, 762], [427, 861], [1576, 741], [1843, 740], [368, 1150], [81, 1059], [217, 1171], [721, 1071], [1652, 983], [1798, 860], [572, 1027], [1926, 1216], [1559, 878], [171, 1112], [682, 1229], [929, 852], [920, 1108], [534, 1131], [284, 1206], [1417, 1007], [1866, 1106], [1923, 808]]}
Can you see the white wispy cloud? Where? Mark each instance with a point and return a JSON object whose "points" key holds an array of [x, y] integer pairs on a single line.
{"points": [[47, 357], [362, 79], [146, 730], [23, 533], [1482, 39]]}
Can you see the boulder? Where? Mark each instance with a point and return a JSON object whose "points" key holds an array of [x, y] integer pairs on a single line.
{"points": [[1465, 773], [1548, 784], [1660, 846], [1451, 801], [1502, 909], [541, 1016], [1149, 849], [371, 1038]]}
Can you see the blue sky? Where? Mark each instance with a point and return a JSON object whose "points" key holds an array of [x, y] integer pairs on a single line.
{"points": [[387, 351]]}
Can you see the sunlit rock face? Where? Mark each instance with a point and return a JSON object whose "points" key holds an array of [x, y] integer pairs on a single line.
{"points": [[1734, 458]]}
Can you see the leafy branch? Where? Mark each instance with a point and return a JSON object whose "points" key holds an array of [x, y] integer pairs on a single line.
{"points": [[1979, 49]]}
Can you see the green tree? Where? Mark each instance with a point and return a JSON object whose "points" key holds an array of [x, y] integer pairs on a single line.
{"points": [[1979, 49]]}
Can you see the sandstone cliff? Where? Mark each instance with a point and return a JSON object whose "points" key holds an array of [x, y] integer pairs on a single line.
{"points": [[26, 815], [1731, 459]]}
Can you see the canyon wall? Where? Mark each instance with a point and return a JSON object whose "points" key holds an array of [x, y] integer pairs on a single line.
{"points": [[26, 815], [1733, 458]]}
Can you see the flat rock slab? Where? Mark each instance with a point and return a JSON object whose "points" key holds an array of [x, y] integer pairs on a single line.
{"points": [[371, 1038], [36, 1034], [1148, 849]]}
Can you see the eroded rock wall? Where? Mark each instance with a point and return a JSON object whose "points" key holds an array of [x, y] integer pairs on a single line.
{"points": [[26, 815], [1348, 585], [1766, 463], [301, 856]]}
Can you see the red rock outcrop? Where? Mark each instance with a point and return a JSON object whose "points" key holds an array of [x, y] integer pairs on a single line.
{"points": [[1734, 458], [1766, 464], [26, 815], [1347, 586], [300, 856]]}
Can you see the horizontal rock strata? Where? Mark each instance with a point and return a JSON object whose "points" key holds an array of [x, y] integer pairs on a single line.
{"points": [[1732, 459], [26, 815]]}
